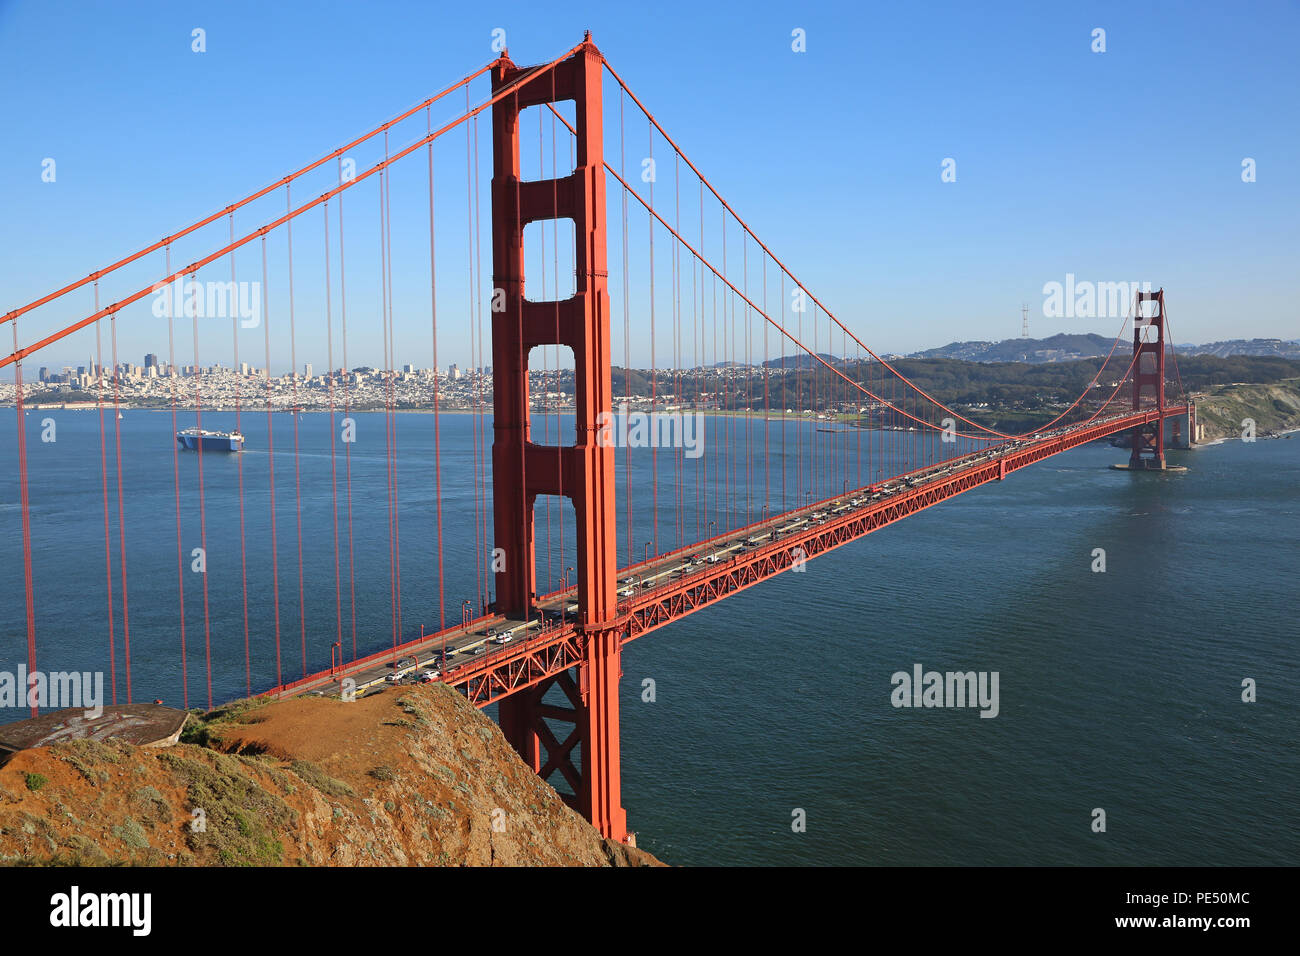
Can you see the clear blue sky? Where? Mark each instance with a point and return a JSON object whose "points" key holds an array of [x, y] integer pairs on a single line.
{"points": [[1123, 165]]}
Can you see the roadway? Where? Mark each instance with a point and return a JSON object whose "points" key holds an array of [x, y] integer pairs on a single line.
{"points": [[492, 656]]}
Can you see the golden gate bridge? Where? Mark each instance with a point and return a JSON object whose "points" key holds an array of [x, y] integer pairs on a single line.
{"points": [[541, 639]]}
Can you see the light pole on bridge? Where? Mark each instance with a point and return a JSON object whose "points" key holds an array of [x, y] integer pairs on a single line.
{"points": [[564, 592]]}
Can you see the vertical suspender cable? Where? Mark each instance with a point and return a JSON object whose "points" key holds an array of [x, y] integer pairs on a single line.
{"points": [[478, 378], [25, 506], [270, 464], [347, 418], [121, 506], [203, 518], [334, 468], [388, 407], [437, 421], [654, 371], [387, 185], [627, 339], [239, 470], [297, 460], [176, 479], [476, 351], [103, 482]]}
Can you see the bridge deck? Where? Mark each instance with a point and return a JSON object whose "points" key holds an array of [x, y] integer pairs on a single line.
{"points": [[492, 657]]}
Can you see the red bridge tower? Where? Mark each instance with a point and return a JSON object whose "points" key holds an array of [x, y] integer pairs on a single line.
{"points": [[583, 471], [1149, 373]]}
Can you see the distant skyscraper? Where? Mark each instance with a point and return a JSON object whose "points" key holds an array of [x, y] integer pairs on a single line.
{"points": [[150, 360], [453, 373], [306, 370]]}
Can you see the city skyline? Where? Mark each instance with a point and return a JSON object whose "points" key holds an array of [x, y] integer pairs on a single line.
{"points": [[312, 369]]}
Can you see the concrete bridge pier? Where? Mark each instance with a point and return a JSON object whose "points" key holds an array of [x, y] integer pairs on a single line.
{"points": [[1184, 429]]}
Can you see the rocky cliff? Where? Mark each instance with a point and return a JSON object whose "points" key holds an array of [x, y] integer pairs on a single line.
{"points": [[1274, 408], [411, 776]]}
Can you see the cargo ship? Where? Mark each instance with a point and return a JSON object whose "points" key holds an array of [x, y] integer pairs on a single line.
{"points": [[192, 439]]}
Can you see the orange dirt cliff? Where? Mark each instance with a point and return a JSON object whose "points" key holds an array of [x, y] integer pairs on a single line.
{"points": [[411, 776]]}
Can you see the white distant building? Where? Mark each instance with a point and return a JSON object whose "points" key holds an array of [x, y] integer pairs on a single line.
{"points": [[306, 370], [453, 373]]}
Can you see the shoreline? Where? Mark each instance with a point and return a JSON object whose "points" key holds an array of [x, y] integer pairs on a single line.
{"points": [[1227, 438], [830, 420], [837, 421]]}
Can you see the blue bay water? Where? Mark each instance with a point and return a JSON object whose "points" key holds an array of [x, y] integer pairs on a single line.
{"points": [[1119, 690]]}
